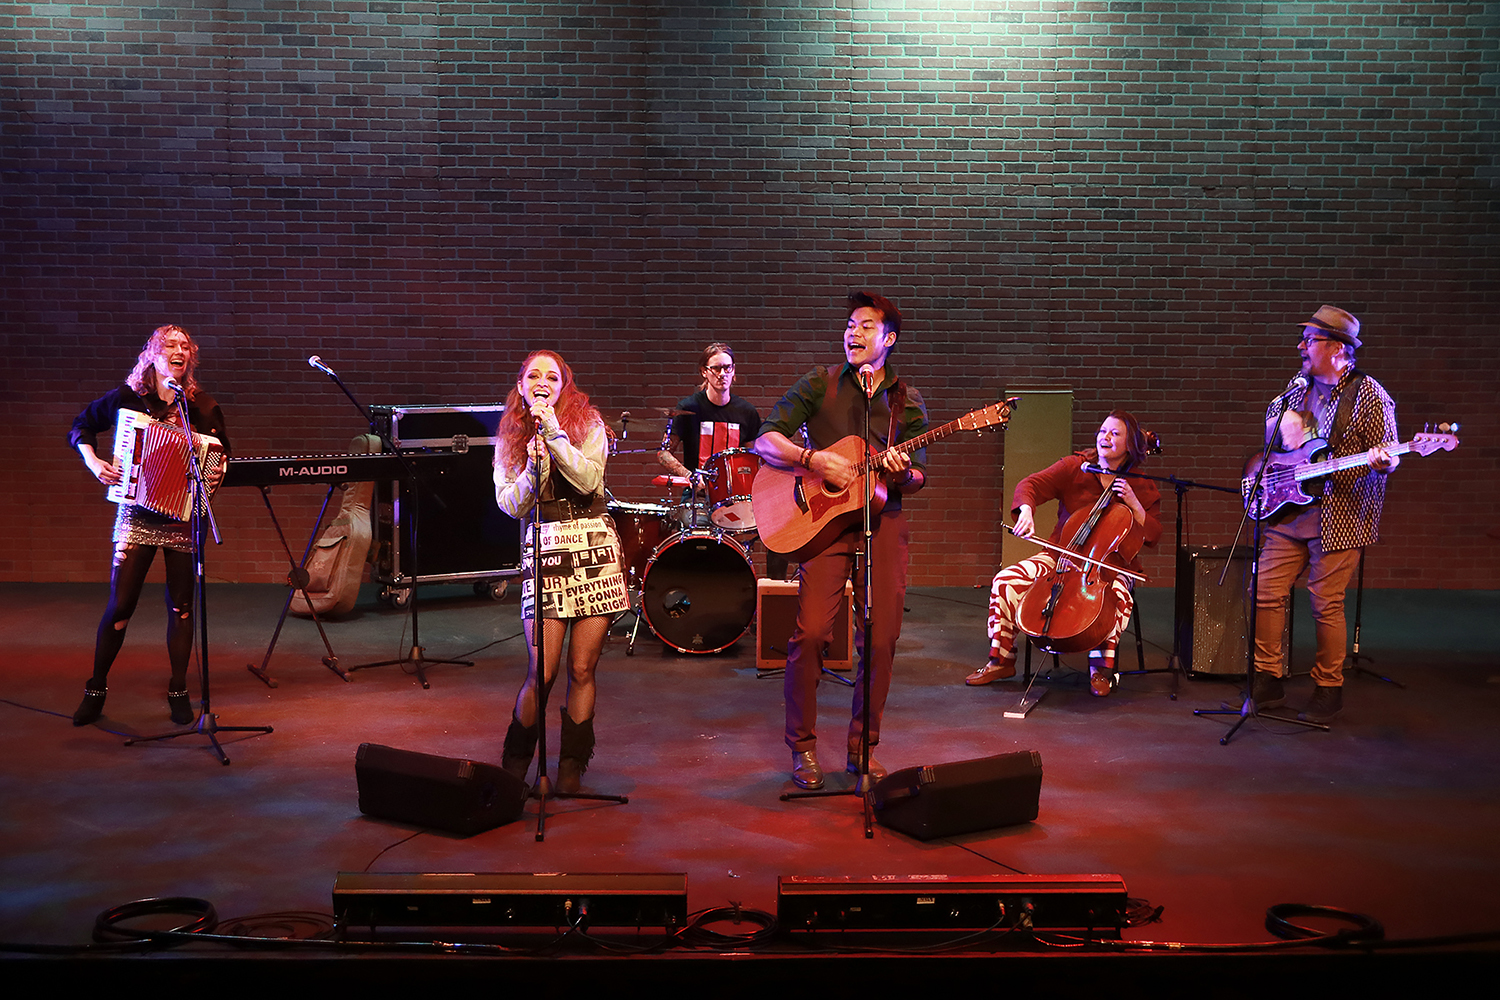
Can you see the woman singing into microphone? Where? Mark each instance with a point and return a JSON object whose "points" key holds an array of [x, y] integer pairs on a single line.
{"points": [[551, 433]]}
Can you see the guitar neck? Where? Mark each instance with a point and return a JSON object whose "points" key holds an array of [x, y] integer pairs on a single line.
{"points": [[912, 444], [1354, 461]]}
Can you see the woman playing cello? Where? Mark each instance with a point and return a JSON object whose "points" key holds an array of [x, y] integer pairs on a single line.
{"points": [[1120, 445]]}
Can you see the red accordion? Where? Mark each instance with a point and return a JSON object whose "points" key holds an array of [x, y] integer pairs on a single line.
{"points": [[153, 460]]}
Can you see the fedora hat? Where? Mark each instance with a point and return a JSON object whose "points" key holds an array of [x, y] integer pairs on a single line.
{"points": [[1337, 323]]}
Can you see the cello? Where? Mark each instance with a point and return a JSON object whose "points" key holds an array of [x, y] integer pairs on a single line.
{"points": [[1073, 607]]}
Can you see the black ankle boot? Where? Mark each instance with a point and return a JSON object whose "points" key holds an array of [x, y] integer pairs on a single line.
{"points": [[575, 753], [520, 747], [181, 707], [92, 705]]}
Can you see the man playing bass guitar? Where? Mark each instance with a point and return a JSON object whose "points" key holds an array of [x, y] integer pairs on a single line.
{"points": [[831, 404], [1354, 414]]}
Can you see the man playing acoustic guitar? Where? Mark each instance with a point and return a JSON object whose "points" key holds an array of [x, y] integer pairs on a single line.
{"points": [[831, 405], [1354, 414]]}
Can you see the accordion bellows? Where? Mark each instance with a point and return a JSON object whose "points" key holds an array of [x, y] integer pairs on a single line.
{"points": [[153, 460]]}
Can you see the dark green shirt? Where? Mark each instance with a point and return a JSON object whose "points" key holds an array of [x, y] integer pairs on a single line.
{"points": [[833, 410]]}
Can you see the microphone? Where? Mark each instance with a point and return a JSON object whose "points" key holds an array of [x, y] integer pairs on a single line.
{"points": [[867, 380], [1300, 382], [317, 363], [539, 396], [173, 384], [1096, 469]]}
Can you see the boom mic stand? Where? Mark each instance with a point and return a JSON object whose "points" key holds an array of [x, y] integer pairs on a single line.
{"points": [[544, 790], [864, 786], [415, 655], [203, 517], [1255, 500], [1181, 486]]}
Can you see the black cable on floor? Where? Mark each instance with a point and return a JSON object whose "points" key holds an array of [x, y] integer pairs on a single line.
{"points": [[107, 924]]}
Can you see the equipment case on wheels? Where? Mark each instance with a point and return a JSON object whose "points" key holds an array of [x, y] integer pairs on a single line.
{"points": [[464, 537]]}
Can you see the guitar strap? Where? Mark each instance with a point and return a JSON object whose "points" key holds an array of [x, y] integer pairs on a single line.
{"points": [[895, 398], [1345, 413]]}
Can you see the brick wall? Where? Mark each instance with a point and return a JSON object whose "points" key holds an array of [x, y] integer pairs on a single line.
{"points": [[1137, 200]]}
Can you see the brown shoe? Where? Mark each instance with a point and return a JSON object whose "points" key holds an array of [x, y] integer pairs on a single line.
{"points": [[805, 770], [1101, 683], [991, 671]]}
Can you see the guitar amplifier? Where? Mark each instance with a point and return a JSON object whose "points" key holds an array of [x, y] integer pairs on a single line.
{"points": [[1213, 618], [776, 617]]}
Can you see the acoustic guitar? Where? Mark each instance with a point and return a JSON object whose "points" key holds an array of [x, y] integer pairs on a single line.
{"points": [[798, 514]]}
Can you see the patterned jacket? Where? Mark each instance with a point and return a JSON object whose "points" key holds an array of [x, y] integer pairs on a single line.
{"points": [[1352, 499]]}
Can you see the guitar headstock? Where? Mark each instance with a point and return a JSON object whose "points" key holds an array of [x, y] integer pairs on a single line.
{"points": [[1444, 439], [994, 415]]}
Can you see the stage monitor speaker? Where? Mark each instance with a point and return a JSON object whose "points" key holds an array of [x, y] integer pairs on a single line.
{"points": [[449, 793], [940, 800], [1213, 617]]}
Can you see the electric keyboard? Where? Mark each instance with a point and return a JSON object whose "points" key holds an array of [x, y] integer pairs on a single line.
{"points": [[275, 470]]}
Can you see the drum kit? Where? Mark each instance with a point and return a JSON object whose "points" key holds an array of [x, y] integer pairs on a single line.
{"points": [[687, 563]]}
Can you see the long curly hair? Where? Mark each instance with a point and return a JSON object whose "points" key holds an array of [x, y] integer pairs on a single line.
{"points": [[575, 414], [142, 377]]}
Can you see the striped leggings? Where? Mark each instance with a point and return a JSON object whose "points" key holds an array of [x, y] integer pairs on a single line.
{"points": [[1010, 585]]}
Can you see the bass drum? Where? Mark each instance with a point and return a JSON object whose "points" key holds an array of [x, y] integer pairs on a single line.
{"points": [[699, 595]]}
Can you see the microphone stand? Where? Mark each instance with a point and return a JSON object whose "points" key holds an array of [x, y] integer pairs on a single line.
{"points": [[1255, 499], [864, 786], [543, 789], [1180, 486], [203, 517], [415, 655]]}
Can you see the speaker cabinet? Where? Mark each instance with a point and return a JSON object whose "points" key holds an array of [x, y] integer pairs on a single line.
{"points": [[941, 800], [449, 793], [1213, 617], [465, 537], [776, 616]]}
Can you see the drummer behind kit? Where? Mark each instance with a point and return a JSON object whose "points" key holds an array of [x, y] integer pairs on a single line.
{"points": [[691, 578]]}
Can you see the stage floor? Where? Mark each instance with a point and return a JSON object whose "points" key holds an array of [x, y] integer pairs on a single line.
{"points": [[1393, 814]]}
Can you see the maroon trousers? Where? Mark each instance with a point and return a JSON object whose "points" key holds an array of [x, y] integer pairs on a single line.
{"points": [[820, 589]]}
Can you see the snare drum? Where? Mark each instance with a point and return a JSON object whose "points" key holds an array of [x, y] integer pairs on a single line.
{"points": [[731, 474], [641, 527], [699, 594]]}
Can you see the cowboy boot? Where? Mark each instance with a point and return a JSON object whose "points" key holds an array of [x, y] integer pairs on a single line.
{"points": [[575, 753], [519, 748]]}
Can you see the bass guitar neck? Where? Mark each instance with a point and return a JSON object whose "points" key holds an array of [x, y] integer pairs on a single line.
{"points": [[1286, 471]]}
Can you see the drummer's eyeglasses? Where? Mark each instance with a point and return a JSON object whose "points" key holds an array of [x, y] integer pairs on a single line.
{"points": [[720, 369]]}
